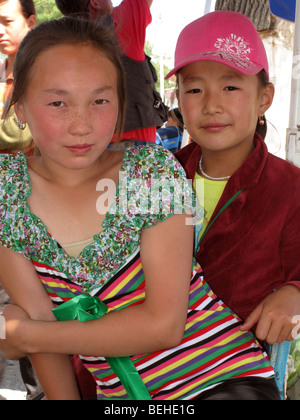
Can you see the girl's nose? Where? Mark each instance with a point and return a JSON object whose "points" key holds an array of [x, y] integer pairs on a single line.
{"points": [[212, 103], [80, 124]]}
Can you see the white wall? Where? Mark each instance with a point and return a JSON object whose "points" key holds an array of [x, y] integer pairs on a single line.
{"points": [[280, 58]]}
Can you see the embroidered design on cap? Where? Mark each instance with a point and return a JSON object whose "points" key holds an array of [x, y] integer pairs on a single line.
{"points": [[233, 49], [235, 45]]}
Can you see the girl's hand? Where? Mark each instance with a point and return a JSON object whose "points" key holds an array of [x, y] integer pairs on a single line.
{"points": [[276, 316], [13, 320]]}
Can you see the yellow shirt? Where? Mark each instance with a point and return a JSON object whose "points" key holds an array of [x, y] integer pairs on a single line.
{"points": [[208, 194]]}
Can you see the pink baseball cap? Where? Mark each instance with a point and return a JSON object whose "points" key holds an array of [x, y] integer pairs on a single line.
{"points": [[226, 37]]}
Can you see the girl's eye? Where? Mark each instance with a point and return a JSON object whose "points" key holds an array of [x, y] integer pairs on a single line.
{"points": [[57, 104], [193, 91], [231, 88], [101, 101]]}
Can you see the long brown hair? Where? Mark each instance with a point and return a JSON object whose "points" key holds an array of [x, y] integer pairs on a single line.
{"points": [[67, 31]]}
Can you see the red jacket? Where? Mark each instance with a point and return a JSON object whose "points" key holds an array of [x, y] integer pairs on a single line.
{"points": [[254, 246]]}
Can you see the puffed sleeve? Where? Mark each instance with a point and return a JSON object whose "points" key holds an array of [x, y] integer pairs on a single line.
{"points": [[156, 186]]}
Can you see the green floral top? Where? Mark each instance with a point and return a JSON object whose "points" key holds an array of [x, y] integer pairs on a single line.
{"points": [[152, 187]]}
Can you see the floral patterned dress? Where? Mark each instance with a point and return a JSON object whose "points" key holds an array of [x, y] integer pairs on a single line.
{"points": [[152, 187]]}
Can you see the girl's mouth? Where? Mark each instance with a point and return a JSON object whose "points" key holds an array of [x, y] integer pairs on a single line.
{"points": [[80, 149], [214, 127]]}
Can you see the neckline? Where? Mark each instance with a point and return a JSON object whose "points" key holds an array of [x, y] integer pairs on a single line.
{"points": [[54, 243], [210, 181], [77, 243]]}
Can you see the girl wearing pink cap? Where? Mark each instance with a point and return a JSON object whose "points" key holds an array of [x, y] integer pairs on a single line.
{"points": [[249, 244]]}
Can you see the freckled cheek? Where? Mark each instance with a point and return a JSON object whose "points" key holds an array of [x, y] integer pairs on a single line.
{"points": [[44, 128], [106, 123]]}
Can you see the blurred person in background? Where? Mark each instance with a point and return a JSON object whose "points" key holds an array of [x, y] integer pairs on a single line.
{"points": [[170, 135], [17, 17]]}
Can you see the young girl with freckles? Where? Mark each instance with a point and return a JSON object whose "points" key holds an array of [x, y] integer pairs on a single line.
{"points": [[162, 325], [252, 248]]}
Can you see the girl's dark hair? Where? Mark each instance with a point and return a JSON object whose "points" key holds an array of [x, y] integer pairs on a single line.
{"points": [[262, 129], [73, 8], [67, 31], [28, 8]]}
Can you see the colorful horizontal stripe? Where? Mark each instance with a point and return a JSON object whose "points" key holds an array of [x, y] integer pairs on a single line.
{"points": [[212, 350]]}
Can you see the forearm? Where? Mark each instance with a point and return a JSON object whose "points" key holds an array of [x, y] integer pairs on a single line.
{"points": [[56, 376], [54, 372], [131, 331], [11, 352]]}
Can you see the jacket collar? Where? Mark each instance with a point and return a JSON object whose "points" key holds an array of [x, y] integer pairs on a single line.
{"points": [[245, 177]]}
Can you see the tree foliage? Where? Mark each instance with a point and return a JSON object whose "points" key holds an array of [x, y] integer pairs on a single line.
{"points": [[155, 60], [46, 10]]}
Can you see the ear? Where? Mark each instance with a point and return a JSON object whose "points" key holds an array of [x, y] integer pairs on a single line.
{"points": [[102, 6], [31, 22], [20, 112], [267, 97], [95, 4]]}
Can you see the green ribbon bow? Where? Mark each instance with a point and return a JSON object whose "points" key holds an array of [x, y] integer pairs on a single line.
{"points": [[86, 308]]}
